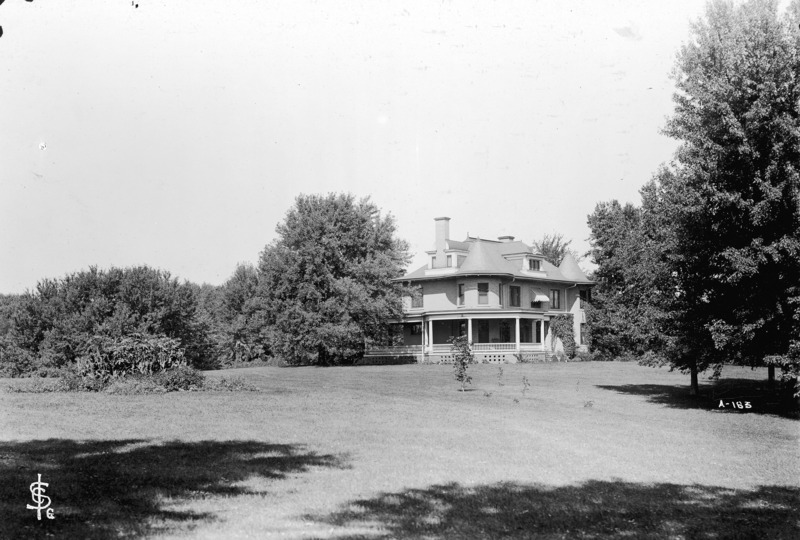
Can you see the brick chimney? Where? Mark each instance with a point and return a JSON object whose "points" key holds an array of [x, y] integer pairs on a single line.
{"points": [[442, 236]]}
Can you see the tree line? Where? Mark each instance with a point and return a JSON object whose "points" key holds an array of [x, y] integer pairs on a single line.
{"points": [[321, 292]]}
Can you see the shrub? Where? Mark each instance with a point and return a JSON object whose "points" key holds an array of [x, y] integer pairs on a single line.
{"points": [[180, 378], [14, 360], [105, 358], [229, 384], [563, 329], [462, 356], [136, 384]]}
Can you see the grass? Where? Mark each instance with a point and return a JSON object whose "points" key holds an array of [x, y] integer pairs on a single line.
{"points": [[597, 450]]}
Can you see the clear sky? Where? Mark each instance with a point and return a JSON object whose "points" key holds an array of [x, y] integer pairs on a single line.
{"points": [[177, 134]]}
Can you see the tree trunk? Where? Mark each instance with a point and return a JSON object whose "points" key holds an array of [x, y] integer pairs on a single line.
{"points": [[771, 376], [694, 389]]}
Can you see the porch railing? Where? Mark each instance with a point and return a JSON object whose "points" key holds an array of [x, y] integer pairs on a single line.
{"points": [[400, 349], [440, 348]]}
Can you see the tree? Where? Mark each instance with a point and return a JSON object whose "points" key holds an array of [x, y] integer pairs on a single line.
{"points": [[732, 192], [711, 262], [326, 286], [462, 357], [554, 247]]}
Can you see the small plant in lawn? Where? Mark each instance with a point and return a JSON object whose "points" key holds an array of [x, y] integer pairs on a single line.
{"points": [[515, 400], [462, 356], [526, 385], [487, 394], [500, 376], [588, 404]]}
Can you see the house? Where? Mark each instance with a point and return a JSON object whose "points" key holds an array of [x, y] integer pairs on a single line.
{"points": [[501, 294]]}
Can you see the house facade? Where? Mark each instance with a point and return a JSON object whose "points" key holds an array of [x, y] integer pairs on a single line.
{"points": [[501, 294]]}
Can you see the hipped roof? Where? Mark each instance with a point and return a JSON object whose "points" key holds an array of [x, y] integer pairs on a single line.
{"points": [[486, 258]]}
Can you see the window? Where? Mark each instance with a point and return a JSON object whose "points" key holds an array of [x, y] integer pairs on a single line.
{"points": [[533, 264], [500, 294], [433, 262], [460, 294], [513, 296], [538, 326], [483, 293], [416, 329], [416, 298], [583, 334], [585, 296], [555, 299], [449, 259], [460, 260]]}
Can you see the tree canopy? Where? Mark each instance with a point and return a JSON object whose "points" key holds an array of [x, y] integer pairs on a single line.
{"points": [[326, 285], [554, 247], [711, 262]]}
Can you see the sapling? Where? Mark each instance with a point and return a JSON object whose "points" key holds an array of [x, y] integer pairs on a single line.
{"points": [[462, 356]]}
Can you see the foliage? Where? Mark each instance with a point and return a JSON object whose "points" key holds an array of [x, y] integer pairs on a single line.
{"points": [[563, 329], [554, 247], [106, 358], [326, 286], [229, 384], [61, 319], [14, 360], [230, 312], [462, 357], [180, 377], [526, 385], [707, 271]]}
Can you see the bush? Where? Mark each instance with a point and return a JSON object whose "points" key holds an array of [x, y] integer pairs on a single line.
{"points": [[14, 360], [180, 378], [231, 384], [462, 356], [136, 384], [106, 358], [584, 356]]}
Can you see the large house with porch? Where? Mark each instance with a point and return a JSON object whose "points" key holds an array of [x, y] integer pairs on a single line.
{"points": [[501, 294]]}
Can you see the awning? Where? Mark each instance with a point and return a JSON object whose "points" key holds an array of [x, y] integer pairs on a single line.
{"points": [[538, 296]]}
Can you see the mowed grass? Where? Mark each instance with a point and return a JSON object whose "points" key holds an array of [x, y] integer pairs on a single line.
{"points": [[592, 450]]}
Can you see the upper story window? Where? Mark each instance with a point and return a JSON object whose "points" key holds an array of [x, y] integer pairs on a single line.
{"points": [[460, 260], [417, 298], [483, 293], [460, 294], [433, 262], [449, 260], [533, 264], [555, 299], [513, 296], [585, 296], [500, 294]]}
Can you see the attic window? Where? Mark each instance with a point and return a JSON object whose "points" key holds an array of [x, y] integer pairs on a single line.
{"points": [[533, 264]]}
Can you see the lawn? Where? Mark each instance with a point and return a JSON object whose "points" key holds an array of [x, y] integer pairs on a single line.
{"points": [[592, 450]]}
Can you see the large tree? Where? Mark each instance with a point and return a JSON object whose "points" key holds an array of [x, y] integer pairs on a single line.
{"points": [[733, 192], [326, 285], [714, 253]]}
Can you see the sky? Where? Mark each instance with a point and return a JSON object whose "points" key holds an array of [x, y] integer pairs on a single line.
{"points": [[178, 133]]}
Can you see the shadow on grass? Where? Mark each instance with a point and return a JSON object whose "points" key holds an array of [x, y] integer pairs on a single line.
{"points": [[592, 510], [762, 399], [134, 488]]}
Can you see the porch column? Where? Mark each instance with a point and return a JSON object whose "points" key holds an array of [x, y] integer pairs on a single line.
{"points": [[516, 335], [469, 329], [430, 333]]}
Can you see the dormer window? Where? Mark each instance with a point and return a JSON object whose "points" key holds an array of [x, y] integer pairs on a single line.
{"points": [[449, 261], [533, 264]]}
